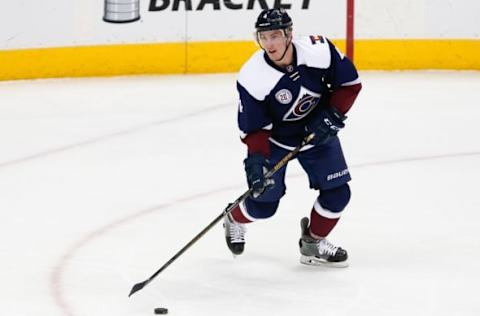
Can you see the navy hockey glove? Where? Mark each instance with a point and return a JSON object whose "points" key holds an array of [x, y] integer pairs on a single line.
{"points": [[256, 167], [326, 125]]}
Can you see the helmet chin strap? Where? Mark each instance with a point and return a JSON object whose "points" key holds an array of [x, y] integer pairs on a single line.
{"points": [[288, 42]]}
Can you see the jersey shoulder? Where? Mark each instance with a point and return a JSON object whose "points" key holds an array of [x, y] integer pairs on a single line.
{"points": [[258, 77], [313, 51]]}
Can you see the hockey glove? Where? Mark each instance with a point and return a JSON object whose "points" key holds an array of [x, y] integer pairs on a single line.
{"points": [[256, 167], [326, 125]]}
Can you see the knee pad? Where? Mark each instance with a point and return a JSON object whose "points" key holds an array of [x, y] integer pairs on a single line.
{"points": [[336, 199], [260, 210]]}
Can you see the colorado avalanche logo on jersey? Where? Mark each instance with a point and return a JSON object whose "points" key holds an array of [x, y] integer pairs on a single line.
{"points": [[305, 103]]}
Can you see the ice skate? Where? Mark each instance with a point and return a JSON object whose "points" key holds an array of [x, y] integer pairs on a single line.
{"points": [[320, 252], [234, 235]]}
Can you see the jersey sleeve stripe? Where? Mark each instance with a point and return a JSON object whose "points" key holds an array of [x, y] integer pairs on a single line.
{"points": [[352, 83]]}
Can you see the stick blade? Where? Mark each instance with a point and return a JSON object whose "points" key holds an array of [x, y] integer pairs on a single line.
{"points": [[137, 287]]}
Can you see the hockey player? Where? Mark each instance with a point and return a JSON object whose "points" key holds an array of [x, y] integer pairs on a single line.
{"points": [[289, 89]]}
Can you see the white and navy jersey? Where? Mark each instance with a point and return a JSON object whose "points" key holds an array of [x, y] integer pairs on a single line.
{"points": [[284, 100]]}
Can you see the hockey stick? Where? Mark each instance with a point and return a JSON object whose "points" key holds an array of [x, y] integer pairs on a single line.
{"points": [[228, 209]]}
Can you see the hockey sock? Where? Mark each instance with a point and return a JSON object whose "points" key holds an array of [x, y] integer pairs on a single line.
{"points": [[320, 225], [238, 216], [327, 210]]}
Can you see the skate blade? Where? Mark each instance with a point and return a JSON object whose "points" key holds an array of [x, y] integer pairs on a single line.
{"points": [[314, 261]]}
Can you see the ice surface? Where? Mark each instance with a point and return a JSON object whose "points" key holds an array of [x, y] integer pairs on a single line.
{"points": [[103, 180]]}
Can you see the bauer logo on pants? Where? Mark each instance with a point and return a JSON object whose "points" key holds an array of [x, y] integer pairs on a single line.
{"points": [[339, 174], [121, 11]]}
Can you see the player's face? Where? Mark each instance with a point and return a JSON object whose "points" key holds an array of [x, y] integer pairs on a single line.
{"points": [[273, 42]]}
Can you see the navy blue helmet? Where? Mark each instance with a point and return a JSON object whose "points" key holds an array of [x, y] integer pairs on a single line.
{"points": [[273, 19]]}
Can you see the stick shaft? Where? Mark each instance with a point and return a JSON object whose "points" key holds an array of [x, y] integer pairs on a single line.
{"points": [[227, 210]]}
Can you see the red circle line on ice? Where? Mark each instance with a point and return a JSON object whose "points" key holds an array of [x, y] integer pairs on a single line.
{"points": [[56, 276]]}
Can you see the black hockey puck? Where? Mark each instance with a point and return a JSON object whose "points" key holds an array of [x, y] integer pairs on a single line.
{"points": [[161, 310]]}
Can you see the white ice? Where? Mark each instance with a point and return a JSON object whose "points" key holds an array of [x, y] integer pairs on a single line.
{"points": [[103, 180]]}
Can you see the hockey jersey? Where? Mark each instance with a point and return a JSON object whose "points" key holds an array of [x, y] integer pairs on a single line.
{"points": [[283, 101]]}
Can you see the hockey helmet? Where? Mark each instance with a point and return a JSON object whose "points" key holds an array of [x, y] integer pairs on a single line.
{"points": [[273, 19]]}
